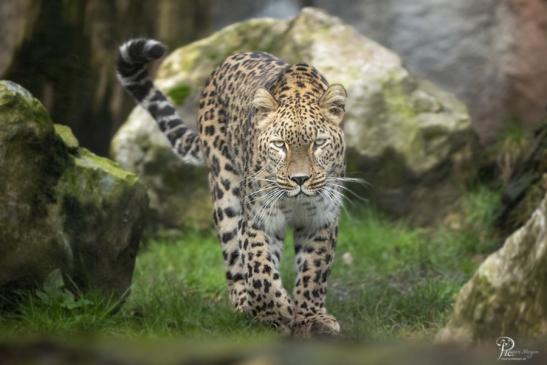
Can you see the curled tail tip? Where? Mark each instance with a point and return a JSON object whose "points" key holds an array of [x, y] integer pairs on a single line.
{"points": [[154, 49], [140, 51]]}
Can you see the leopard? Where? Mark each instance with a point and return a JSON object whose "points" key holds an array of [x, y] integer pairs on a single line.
{"points": [[271, 134]]}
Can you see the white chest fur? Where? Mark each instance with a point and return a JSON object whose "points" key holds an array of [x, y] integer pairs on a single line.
{"points": [[301, 211]]}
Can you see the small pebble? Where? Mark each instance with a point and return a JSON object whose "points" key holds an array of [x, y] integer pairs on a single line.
{"points": [[347, 258]]}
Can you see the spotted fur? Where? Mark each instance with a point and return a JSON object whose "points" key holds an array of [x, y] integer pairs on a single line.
{"points": [[270, 134]]}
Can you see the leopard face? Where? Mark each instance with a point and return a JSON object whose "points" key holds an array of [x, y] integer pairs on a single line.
{"points": [[301, 143]]}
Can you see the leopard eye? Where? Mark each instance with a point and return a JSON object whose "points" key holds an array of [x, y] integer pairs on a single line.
{"points": [[278, 143], [320, 142], [336, 110]]}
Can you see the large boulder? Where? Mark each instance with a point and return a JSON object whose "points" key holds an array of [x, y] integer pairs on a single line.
{"points": [[62, 207], [410, 140], [507, 296]]}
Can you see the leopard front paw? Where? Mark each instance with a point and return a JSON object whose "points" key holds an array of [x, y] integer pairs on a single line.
{"points": [[317, 325]]}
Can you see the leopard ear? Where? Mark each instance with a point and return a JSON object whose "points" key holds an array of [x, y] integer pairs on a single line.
{"points": [[264, 103], [333, 103]]}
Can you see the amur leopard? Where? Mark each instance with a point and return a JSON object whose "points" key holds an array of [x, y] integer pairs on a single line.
{"points": [[270, 133]]}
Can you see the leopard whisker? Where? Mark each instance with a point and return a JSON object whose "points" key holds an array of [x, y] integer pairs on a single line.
{"points": [[338, 198], [265, 179], [353, 193], [270, 198], [345, 179], [263, 190], [273, 204]]}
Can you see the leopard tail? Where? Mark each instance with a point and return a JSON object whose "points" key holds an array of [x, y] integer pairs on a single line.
{"points": [[134, 58]]}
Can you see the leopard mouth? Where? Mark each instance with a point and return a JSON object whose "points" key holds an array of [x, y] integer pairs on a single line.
{"points": [[300, 192]]}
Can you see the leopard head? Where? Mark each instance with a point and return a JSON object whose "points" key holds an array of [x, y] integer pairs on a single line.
{"points": [[301, 141]]}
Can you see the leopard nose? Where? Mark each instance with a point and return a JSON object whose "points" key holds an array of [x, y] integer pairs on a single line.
{"points": [[300, 179]]}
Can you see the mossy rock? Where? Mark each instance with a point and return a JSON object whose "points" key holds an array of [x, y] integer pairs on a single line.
{"points": [[62, 206], [412, 141], [507, 296]]}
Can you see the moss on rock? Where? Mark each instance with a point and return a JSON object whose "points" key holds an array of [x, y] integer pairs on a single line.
{"points": [[65, 208], [65, 133], [179, 93]]}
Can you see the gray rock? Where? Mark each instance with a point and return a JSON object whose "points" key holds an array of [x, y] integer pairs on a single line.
{"points": [[507, 296], [408, 138], [460, 45], [489, 53], [62, 207]]}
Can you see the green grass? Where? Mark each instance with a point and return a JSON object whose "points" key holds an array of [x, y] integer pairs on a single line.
{"points": [[390, 281]]}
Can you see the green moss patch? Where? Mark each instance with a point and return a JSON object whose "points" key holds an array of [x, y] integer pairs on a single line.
{"points": [[179, 93]]}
